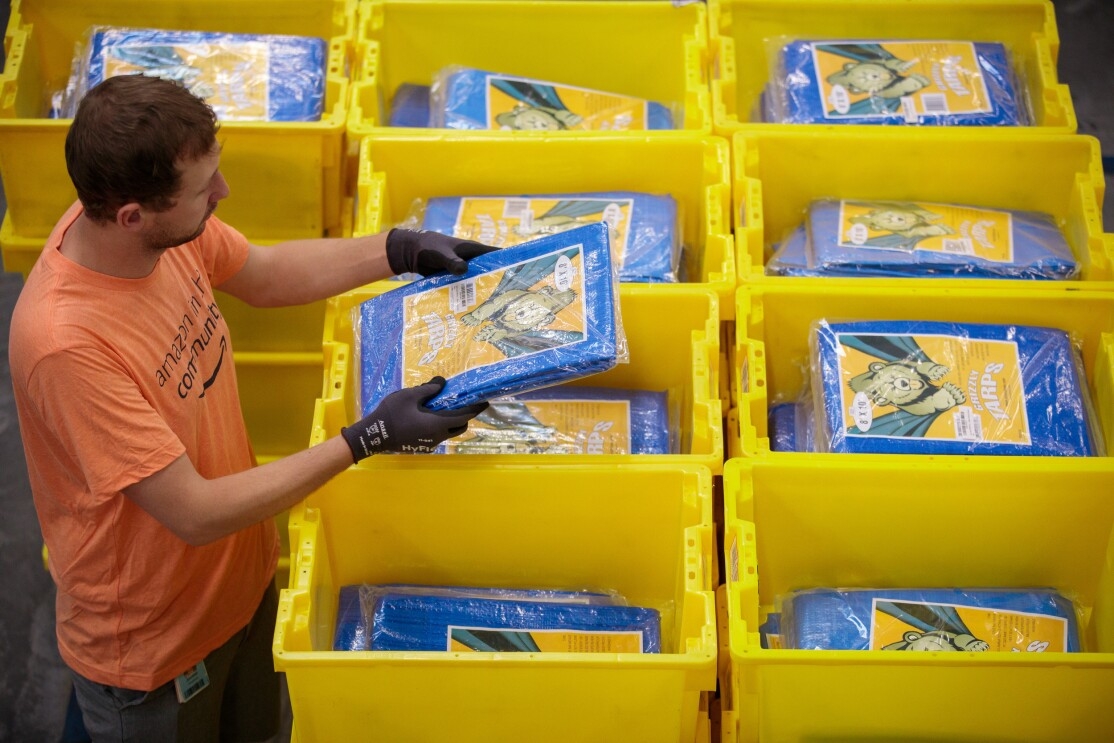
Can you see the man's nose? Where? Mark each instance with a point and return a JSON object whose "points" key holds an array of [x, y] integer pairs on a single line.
{"points": [[222, 190]]}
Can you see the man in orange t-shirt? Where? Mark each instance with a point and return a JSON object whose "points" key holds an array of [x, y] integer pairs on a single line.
{"points": [[159, 526]]}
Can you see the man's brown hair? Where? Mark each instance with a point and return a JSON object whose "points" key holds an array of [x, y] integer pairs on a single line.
{"points": [[127, 138]]}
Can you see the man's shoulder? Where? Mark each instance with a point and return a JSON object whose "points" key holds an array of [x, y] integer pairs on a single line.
{"points": [[46, 320]]}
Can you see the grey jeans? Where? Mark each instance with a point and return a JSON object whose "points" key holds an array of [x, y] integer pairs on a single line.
{"points": [[240, 705]]}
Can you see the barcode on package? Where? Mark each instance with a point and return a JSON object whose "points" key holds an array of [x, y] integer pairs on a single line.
{"points": [[515, 208], [968, 426], [958, 246], [934, 103], [462, 296]]}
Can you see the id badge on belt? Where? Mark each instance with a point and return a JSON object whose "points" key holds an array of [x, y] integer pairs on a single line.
{"points": [[190, 683]]}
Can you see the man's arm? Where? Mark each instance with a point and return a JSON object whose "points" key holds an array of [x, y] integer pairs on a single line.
{"points": [[199, 510], [302, 271]]}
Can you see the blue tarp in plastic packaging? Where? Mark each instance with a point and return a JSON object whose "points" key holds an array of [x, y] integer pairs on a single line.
{"points": [[790, 426], [244, 77], [913, 239], [520, 319], [569, 420], [929, 82], [495, 625], [356, 604], [914, 387], [643, 227], [464, 98], [973, 620]]}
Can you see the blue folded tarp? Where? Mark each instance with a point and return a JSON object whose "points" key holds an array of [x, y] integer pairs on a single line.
{"points": [[916, 239], [520, 319], [932, 619], [948, 83], [244, 77], [497, 625], [914, 387], [924, 241], [790, 257], [569, 420], [410, 106], [644, 230], [356, 604], [463, 98]]}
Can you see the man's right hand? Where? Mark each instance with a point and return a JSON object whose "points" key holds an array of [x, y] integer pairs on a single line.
{"points": [[402, 423]]}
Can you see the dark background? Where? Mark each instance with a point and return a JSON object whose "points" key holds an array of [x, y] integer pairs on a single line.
{"points": [[34, 684]]}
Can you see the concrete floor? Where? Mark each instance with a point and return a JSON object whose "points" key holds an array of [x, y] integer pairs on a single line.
{"points": [[34, 684]]}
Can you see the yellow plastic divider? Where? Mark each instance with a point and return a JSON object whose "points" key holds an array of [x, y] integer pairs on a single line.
{"points": [[673, 339], [739, 31], [773, 324], [644, 531], [641, 48], [395, 170], [288, 176], [1058, 175], [873, 521]]}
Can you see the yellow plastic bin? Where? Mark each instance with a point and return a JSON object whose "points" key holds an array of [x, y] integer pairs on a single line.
{"points": [[645, 531], [282, 523], [936, 522], [773, 325], [1058, 175], [273, 329], [277, 394], [674, 347], [287, 176], [642, 48], [394, 170], [18, 254], [739, 30]]}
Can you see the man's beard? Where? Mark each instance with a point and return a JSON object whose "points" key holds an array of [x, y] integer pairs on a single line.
{"points": [[164, 240]]}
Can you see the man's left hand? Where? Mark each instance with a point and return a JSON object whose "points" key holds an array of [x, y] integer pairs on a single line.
{"points": [[427, 253]]}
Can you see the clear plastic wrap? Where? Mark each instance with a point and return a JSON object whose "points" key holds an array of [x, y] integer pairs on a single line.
{"points": [[791, 426], [939, 619], [790, 256], [918, 239], [643, 228], [464, 98], [918, 82], [244, 77], [356, 604], [520, 319], [915, 387], [569, 420]]}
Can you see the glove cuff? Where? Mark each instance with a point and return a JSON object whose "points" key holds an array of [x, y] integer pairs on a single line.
{"points": [[399, 250], [364, 439]]}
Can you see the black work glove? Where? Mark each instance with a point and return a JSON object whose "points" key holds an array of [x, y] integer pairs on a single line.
{"points": [[427, 253], [402, 423]]}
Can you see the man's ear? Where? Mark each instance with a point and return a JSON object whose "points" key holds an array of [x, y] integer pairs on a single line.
{"points": [[130, 216]]}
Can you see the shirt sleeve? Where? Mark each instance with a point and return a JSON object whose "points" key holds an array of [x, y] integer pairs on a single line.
{"points": [[100, 421], [224, 250]]}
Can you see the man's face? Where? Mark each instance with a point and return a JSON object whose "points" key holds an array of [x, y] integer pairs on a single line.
{"points": [[202, 189]]}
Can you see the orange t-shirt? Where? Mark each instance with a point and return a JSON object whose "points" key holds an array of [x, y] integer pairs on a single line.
{"points": [[114, 379]]}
